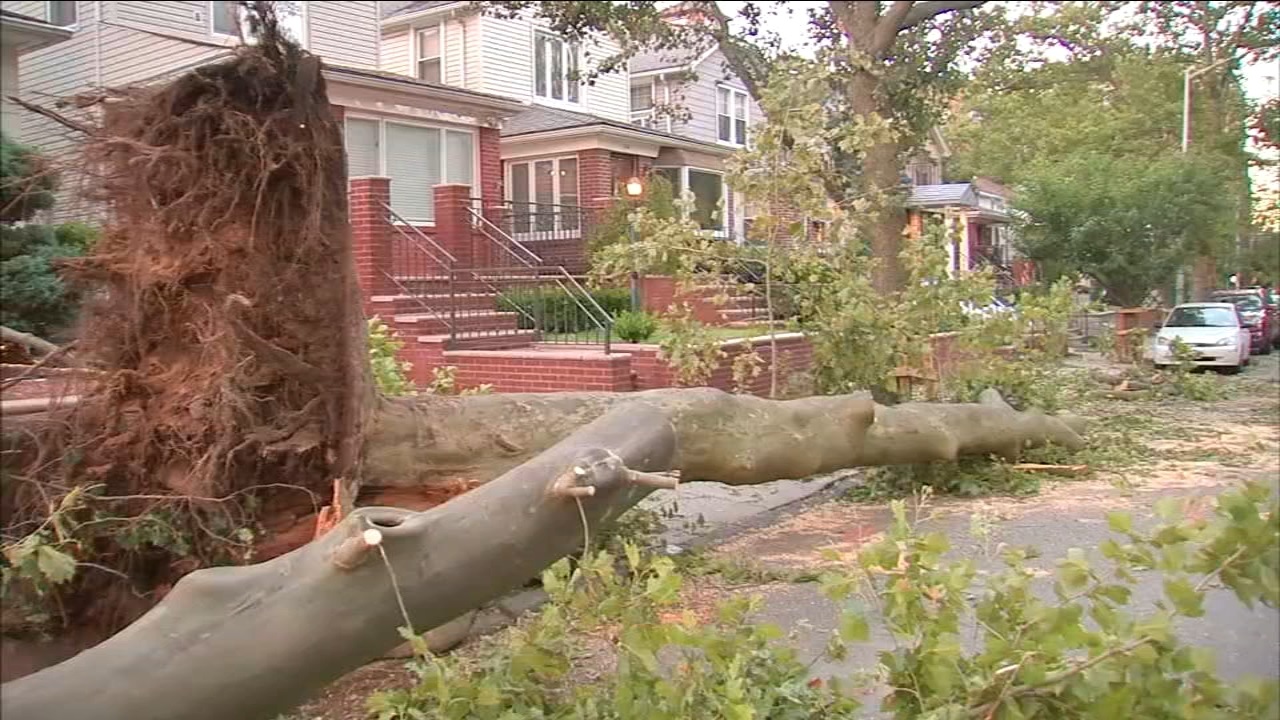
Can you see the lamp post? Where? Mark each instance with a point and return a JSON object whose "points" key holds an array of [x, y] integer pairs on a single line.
{"points": [[634, 189], [1188, 75]]}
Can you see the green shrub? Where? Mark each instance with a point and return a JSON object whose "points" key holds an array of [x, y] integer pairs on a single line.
{"points": [[33, 296], [634, 326], [555, 311], [390, 375]]}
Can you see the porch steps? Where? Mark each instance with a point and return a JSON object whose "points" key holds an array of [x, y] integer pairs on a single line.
{"points": [[480, 341]]}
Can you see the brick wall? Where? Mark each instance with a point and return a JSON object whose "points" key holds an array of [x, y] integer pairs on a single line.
{"points": [[658, 292], [490, 166], [795, 355], [369, 235], [541, 370]]}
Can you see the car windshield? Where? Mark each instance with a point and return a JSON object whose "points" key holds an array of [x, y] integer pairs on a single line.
{"points": [[1244, 302], [1201, 317]]}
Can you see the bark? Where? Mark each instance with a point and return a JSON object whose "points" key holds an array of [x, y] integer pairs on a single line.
{"points": [[254, 641], [38, 346]]}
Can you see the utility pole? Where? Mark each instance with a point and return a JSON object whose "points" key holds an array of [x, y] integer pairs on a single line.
{"points": [[1188, 75]]}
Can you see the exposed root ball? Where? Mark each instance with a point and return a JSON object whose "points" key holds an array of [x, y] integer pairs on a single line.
{"points": [[226, 318]]}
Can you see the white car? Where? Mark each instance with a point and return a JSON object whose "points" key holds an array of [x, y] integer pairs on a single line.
{"points": [[1214, 333]]}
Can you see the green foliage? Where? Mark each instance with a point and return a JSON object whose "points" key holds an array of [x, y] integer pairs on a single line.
{"points": [[1186, 382], [635, 327], [33, 297], [615, 223], [1130, 232], [555, 311], [967, 477], [1088, 653], [390, 374], [27, 181], [689, 347], [726, 667]]}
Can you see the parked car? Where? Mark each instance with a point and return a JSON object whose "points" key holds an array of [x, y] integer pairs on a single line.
{"points": [[1257, 314], [1214, 332]]}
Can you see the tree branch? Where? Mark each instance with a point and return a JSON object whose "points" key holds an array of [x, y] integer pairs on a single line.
{"points": [[922, 11], [37, 345], [252, 642], [54, 116]]}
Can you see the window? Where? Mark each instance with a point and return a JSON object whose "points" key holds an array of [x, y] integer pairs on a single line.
{"points": [[227, 17], [731, 115], [555, 68], [61, 12], [642, 97], [544, 195], [427, 54], [415, 157], [224, 17], [707, 189]]}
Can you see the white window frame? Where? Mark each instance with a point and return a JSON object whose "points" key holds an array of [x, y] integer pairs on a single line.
{"points": [[413, 49], [721, 111], [303, 16], [557, 233], [75, 9], [567, 49], [723, 230], [444, 150]]}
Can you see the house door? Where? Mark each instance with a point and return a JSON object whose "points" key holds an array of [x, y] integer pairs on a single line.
{"points": [[544, 198]]}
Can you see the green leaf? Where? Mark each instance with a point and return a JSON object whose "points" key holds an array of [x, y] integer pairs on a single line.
{"points": [[1120, 522], [1169, 509], [1185, 598], [57, 566], [853, 627]]}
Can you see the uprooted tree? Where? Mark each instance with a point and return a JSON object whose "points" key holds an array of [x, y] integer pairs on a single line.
{"points": [[231, 359]]}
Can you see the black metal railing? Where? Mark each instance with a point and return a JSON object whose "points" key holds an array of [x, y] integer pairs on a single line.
{"points": [[418, 265], [543, 304], [533, 223]]}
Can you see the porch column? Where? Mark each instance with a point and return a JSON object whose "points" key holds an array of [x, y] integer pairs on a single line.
{"points": [[453, 223], [371, 236]]}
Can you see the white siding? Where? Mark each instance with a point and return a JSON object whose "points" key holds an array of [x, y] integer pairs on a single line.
{"points": [[507, 47], [396, 52], [45, 76], [344, 33], [699, 99], [37, 9], [610, 96], [189, 17]]}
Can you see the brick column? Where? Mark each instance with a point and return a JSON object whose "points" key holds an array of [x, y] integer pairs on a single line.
{"points": [[490, 166], [453, 222], [595, 178], [371, 235]]}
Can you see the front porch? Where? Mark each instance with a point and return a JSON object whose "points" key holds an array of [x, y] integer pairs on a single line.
{"points": [[475, 290]]}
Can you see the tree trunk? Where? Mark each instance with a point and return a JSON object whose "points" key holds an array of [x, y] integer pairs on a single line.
{"points": [[254, 641]]}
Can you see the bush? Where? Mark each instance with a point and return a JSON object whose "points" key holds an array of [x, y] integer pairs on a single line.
{"points": [[556, 312], [33, 297], [390, 375], [634, 326]]}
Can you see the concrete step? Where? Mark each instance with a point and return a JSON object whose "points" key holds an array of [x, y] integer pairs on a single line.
{"points": [[475, 321], [476, 341]]}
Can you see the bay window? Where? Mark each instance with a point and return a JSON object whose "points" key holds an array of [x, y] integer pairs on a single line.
{"points": [[555, 68], [415, 157], [544, 195], [705, 188], [426, 53], [731, 115]]}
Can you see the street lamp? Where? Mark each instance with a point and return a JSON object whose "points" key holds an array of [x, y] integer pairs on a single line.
{"points": [[634, 189], [1188, 75]]}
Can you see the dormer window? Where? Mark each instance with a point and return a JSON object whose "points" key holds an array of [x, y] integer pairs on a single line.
{"points": [[731, 115], [555, 68]]}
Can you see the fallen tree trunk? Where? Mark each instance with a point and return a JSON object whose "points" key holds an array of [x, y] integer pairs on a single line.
{"points": [[252, 642]]}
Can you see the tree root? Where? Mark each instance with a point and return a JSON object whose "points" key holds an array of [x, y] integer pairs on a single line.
{"points": [[252, 642]]}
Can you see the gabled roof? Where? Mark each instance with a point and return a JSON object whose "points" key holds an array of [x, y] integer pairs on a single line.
{"points": [[944, 195], [539, 119], [415, 7], [670, 59]]}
